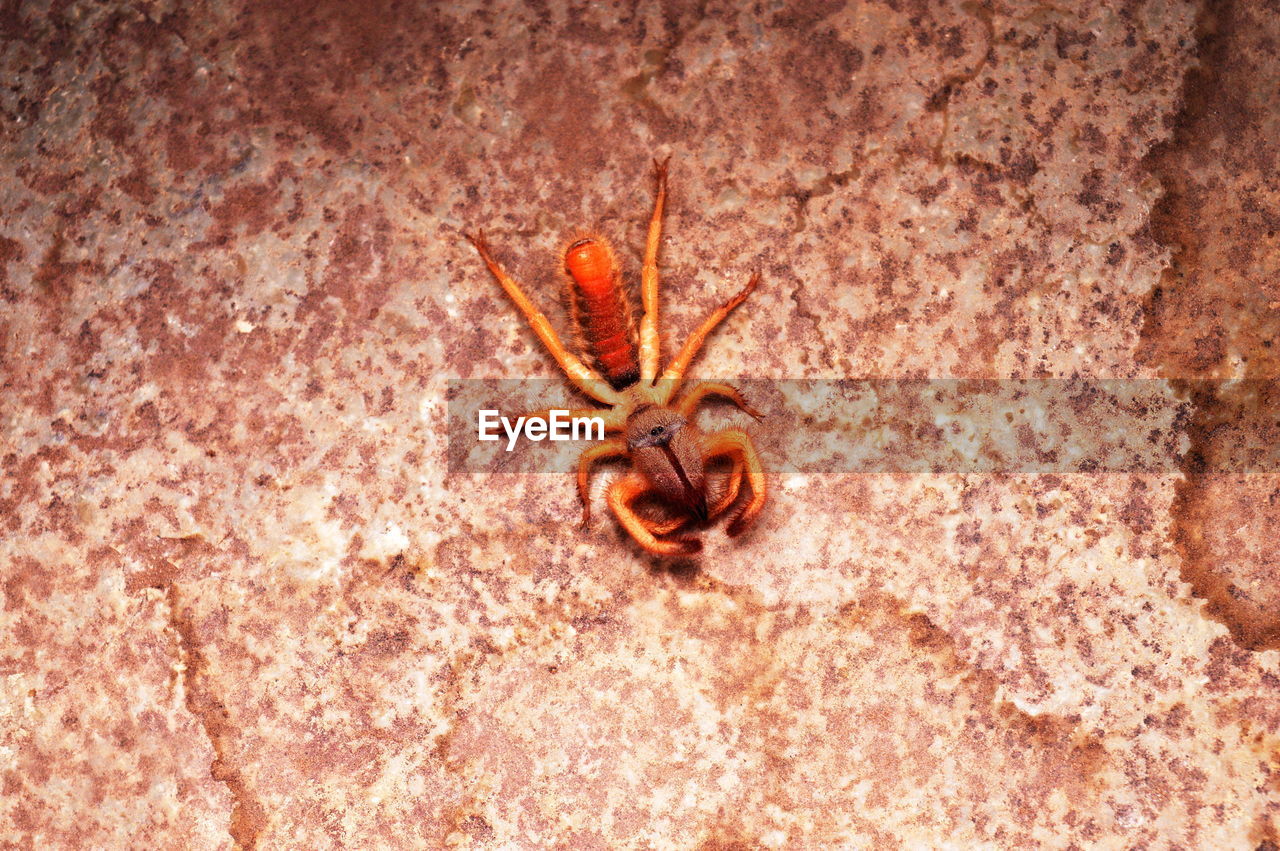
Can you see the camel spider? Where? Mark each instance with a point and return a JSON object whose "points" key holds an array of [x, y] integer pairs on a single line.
{"points": [[668, 454]]}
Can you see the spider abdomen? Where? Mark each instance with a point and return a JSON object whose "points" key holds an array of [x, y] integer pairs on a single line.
{"points": [[603, 314]]}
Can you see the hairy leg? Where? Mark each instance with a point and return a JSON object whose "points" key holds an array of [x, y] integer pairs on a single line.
{"points": [[613, 448], [586, 379], [650, 342], [675, 370], [625, 491], [736, 444], [732, 486], [664, 527], [703, 389]]}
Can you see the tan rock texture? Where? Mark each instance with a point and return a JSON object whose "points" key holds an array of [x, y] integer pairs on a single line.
{"points": [[246, 604]]}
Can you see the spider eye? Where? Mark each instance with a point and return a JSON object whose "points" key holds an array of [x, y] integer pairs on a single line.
{"points": [[656, 430]]}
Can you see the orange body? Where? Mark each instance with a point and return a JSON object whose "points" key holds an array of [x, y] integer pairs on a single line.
{"points": [[669, 456], [602, 310]]}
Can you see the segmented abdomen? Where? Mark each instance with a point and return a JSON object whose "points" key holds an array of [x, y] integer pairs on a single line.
{"points": [[602, 311]]}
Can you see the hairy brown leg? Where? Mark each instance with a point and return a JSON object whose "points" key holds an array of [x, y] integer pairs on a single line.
{"points": [[703, 389], [675, 370], [584, 378], [732, 487], [736, 444], [663, 527], [615, 447], [650, 341], [621, 494]]}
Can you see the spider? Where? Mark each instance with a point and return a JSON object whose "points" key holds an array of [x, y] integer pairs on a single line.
{"points": [[669, 455]]}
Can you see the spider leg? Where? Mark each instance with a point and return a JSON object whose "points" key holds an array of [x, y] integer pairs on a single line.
{"points": [[650, 342], [613, 448], [736, 444], [621, 494], [703, 389], [584, 378], [675, 370], [733, 485], [662, 527], [666, 524]]}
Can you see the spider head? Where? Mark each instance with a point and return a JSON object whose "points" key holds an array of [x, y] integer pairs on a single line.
{"points": [[667, 450], [651, 426]]}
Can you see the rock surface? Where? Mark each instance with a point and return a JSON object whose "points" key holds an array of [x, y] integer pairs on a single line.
{"points": [[246, 604]]}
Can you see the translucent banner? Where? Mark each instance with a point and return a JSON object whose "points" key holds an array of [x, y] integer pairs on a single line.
{"points": [[1026, 426]]}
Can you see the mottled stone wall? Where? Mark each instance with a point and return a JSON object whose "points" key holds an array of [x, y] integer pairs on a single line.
{"points": [[246, 605]]}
